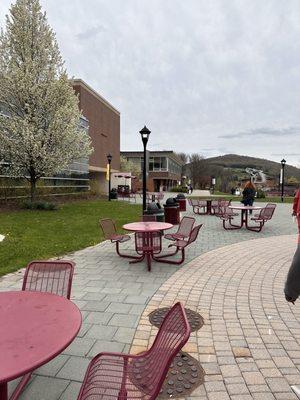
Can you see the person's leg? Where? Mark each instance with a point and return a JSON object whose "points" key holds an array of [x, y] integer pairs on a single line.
{"points": [[292, 285], [250, 204]]}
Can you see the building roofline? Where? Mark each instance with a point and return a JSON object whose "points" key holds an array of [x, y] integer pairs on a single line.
{"points": [[166, 152], [82, 83]]}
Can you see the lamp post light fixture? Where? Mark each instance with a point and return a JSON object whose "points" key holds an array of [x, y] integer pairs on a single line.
{"points": [[213, 183], [145, 136], [109, 158], [282, 178]]}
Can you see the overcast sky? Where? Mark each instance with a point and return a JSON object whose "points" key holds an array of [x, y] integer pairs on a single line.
{"points": [[212, 77]]}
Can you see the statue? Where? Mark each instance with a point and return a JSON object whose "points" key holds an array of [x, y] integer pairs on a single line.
{"points": [[256, 175]]}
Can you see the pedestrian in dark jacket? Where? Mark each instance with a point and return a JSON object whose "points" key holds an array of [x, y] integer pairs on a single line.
{"points": [[292, 285], [248, 194]]}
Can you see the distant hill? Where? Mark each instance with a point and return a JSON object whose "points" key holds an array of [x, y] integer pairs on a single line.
{"points": [[238, 164]]}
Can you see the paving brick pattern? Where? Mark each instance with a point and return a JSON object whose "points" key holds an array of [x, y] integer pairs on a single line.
{"points": [[249, 345], [112, 296]]}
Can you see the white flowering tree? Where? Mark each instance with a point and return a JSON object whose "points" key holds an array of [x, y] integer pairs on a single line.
{"points": [[39, 115]]}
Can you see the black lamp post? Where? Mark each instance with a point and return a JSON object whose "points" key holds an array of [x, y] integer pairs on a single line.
{"points": [[282, 178], [109, 158], [145, 136]]}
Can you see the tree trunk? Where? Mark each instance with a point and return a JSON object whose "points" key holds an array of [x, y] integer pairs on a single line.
{"points": [[32, 189]]}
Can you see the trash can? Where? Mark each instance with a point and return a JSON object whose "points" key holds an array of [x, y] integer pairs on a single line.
{"points": [[172, 215], [155, 209], [181, 201], [113, 194]]}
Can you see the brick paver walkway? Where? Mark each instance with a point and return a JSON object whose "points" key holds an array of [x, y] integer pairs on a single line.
{"points": [[249, 346], [112, 296]]}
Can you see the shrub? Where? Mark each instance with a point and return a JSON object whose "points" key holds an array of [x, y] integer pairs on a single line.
{"points": [[260, 194], [179, 189], [40, 205]]}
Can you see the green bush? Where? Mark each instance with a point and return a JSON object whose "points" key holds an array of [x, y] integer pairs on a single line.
{"points": [[40, 205], [179, 189], [260, 194]]}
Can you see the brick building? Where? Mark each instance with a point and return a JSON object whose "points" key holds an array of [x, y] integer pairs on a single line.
{"points": [[104, 130], [101, 121], [165, 169]]}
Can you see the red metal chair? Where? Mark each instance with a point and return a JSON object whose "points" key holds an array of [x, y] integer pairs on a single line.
{"points": [[219, 206], [227, 214], [264, 215], [46, 276], [117, 376], [180, 245], [148, 242], [184, 229], [109, 230], [49, 276], [214, 206]]}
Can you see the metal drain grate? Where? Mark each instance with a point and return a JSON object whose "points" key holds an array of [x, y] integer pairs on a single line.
{"points": [[196, 320], [184, 376]]}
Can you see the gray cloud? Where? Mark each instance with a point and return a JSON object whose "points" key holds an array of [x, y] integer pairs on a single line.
{"points": [[293, 130], [91, 32], [286, 154], [194, 72]]}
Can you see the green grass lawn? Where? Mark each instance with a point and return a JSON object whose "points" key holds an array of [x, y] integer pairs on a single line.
{"points": [[43, 234]]}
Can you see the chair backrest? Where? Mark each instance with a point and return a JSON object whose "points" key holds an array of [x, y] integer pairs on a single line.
{"points": [[108, 227], [194, 233], [148, 218], [49, 276], [150, 368], [267, 212], [186, 226], [224, 203]]}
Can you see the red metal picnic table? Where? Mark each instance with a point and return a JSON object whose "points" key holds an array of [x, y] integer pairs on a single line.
{"points": [[244, 215], [147, 238], [35, 327]]}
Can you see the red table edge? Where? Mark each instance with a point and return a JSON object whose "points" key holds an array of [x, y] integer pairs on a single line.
{"points": [[246, 207], [55, 354], [140, 222]]}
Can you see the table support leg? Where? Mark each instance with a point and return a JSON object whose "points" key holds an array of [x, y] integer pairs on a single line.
{"points": [[18, 390], [3, 391]]}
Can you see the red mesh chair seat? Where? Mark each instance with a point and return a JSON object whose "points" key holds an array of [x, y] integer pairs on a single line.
{"points": [[184, 229], [49, 276], [114, 376], [265, 214], [180, 246], [119, 238], [226, 213], [109, 230]]}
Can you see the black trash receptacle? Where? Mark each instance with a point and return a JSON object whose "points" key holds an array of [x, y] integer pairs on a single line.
{"points": [[113, 194], [181, 201], [155, 209], [172, 215]]}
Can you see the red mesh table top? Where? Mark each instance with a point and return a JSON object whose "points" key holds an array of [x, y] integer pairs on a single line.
{"points": [[150, 226], [35, 327], [245, 207]]}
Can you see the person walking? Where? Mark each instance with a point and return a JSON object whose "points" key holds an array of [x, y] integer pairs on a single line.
{"points": [[292, 284], [248, 194]]}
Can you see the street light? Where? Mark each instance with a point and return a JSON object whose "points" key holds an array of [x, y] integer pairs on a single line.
{"points": [[282, 178], [213, 183], [145, 136], [109, 158]]}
